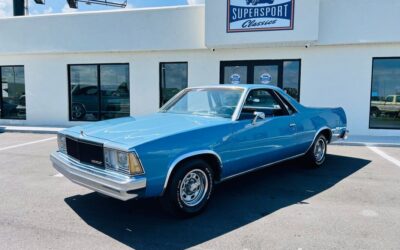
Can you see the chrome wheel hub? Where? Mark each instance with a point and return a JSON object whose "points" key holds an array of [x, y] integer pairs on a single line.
{"points": [[193, 188], [319, 150]]}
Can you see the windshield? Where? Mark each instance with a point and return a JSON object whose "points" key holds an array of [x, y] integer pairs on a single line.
{"points": [[208, 102]]}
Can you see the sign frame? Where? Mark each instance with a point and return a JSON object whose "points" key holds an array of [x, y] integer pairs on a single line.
{"points": [[228, 23]]}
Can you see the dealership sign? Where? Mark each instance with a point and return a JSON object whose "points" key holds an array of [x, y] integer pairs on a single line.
{"points": [[260, 15]]}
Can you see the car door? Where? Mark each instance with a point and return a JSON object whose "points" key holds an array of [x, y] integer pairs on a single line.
{"points": [[254, 144]]}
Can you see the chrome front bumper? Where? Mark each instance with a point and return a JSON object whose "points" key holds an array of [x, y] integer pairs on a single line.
{"points": [[111, 184]]}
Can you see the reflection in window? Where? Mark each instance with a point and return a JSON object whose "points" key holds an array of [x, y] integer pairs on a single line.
{"points": [[114, 81], [12, 95], [385, 94], [87, 103], [291, 78], [174, 78]]}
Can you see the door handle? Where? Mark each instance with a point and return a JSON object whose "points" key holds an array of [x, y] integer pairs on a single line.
{"points": [[292, 125]]}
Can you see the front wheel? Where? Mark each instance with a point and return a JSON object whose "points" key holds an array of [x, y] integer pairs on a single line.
{"points": [[189, 189], [316, 155]]}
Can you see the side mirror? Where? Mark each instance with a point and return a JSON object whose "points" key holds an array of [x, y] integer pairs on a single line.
{"points": [[257, 115]]}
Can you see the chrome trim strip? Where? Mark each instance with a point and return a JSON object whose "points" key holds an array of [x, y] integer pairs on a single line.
{"points": [[84, 141], [315, 136], [185, 156], [260, 167]]}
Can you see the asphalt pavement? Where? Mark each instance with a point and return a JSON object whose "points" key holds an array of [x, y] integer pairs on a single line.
{"points": [[353, 202]]}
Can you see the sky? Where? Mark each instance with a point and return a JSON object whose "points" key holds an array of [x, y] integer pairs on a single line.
{"points": [[60, 6]]}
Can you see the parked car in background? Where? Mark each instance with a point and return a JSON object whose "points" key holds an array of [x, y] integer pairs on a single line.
{"points": [[114, 103], [202, 136], [21, 107], [8, 106], [389, 106]]}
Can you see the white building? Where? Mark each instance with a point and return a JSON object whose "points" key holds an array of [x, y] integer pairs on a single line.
{"points": [[326, 53]]}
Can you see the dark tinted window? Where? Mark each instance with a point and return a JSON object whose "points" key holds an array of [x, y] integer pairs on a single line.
{"points": [[291, 78], [385, 112], [12, 94], [173, 79], [114, 85], [99, 92], [389, 99], [261, 100]]}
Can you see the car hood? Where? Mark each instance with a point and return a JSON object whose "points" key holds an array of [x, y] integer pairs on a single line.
{"points": [[132, 131]]}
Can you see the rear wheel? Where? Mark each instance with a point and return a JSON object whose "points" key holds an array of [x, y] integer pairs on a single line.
{"points": [[316, 155], [189, 189]]}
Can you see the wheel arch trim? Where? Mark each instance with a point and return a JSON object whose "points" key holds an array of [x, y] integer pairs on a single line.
{"points": [[181, 158], [316, 134]]}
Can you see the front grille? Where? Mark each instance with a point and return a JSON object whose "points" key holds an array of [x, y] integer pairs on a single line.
{"points": [[86, 152]]}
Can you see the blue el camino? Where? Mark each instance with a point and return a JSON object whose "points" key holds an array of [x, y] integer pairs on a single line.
{"points": [[202, 136]]}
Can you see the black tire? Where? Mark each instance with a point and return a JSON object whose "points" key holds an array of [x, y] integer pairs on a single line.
{"points": [[173, 200], [375, 112], [314, 159], [78, 111]]}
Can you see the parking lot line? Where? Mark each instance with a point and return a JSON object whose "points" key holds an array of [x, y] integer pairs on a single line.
{"points": [[384, 155], [27, 143]]}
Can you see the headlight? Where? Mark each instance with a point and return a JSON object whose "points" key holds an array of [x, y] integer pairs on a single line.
{"points": [[127, 163], [62, 143]]}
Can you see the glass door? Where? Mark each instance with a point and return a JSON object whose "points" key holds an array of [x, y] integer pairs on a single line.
{"points": [[284, 74], [266, 74], [249, 72], [235, 74]]}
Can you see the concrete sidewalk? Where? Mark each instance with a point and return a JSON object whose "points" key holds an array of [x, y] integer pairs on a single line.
{"points": [[363, 140]]}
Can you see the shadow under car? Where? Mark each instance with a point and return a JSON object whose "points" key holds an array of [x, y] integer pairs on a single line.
{"points": [[142, 224]]}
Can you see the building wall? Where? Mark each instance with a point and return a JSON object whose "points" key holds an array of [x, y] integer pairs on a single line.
{"points": [[172, 28], [330, 76]]}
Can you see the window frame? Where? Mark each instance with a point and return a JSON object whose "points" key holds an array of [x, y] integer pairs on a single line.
{"points": [[273, 94], [1, 94], [252, 63], [98, 66], [160, 73], [370, 94]]}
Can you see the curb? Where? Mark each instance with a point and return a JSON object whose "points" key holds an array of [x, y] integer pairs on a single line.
{"points": [[366, 144], [31, 130]]}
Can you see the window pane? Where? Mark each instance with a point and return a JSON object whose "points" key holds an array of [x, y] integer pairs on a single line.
{"points": [[84, 93], [266, 74], [13, 93], [261, 100], [291, 77], [235, 74], [114, 80], [385, 108], [174, 78], [207, 102]]}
